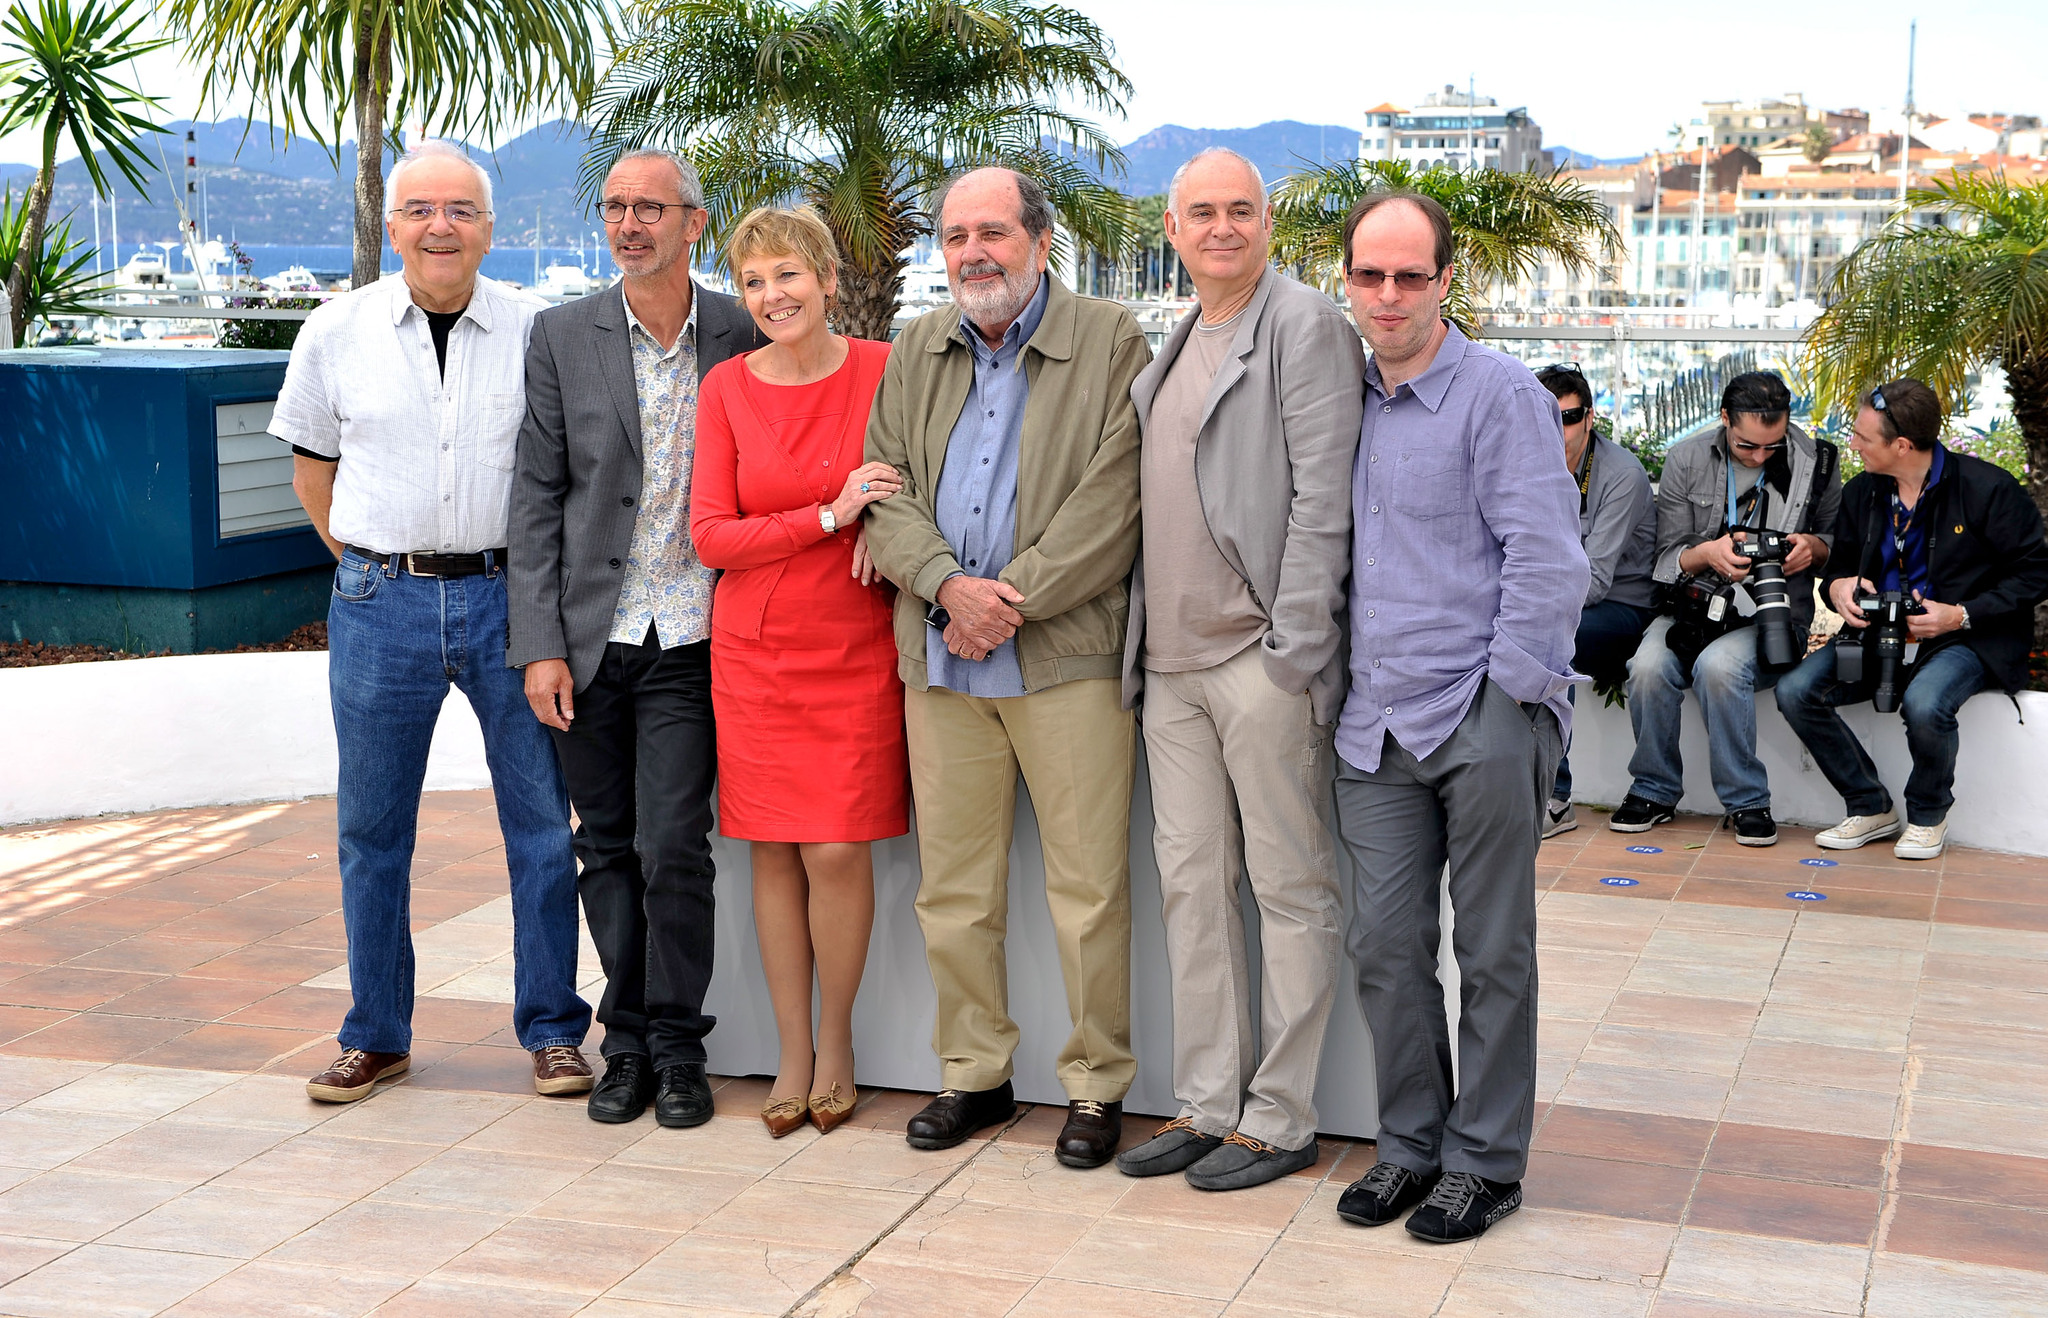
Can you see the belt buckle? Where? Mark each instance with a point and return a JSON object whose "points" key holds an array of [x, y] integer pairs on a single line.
{"points": [[412, 571]]}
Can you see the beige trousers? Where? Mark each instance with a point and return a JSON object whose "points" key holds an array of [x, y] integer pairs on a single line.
{"points": [[1240, 784], [1077, 749]]}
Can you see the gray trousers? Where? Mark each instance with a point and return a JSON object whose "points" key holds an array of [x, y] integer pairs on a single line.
{"points": [[1240, 779], [1476, 803]]}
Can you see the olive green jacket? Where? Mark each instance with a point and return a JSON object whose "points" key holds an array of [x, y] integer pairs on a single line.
{"points": [[1077, 483]]}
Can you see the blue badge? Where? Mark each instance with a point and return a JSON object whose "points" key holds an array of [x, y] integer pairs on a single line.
{"points": [[1818, 863], [1618, 882], [1807, 896], [1647, 851]]}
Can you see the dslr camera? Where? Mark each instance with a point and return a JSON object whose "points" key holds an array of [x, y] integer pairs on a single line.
{"points": [[1766, 551], [1882, 651]]}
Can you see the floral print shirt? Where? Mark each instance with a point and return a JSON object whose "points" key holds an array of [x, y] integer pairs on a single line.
{"points": [[666, 585]]}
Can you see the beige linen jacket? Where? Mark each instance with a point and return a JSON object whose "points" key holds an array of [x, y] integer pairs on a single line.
{"points": [[1077, 483]]}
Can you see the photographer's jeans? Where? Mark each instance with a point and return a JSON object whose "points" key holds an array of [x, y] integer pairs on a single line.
{"points": [[1726, 677], [1809, 695], [395, 642], [1608, 635]]}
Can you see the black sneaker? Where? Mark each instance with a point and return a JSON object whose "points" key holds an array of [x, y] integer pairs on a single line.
{"points": [[1382, 1194], [1462, 1206], [1638, 814], [1753, 828]]}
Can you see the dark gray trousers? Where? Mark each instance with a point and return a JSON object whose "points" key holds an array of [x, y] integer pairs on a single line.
{"points": [[1476, 802]]}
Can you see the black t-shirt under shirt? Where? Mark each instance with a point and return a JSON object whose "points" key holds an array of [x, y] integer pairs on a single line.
{"points": [[439, 323]]}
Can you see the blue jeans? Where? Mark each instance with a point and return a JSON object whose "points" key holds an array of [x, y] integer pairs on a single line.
{"points": [[1608, 635], [1726, 677], [395, 642], [1809, 695]]}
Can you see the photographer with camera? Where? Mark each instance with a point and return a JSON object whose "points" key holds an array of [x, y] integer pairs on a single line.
{"points": [[1922, 526], [1736, 546], [1618, 530]]}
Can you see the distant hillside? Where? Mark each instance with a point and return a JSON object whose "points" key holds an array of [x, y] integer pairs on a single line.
{"points": [[1567, 158], [1277, 148], [259, 190]]}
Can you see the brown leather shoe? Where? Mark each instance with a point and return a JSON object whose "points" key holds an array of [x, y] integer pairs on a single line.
{"points": [[354, 1074], [1091, 1134], [783, 1115], [560, 1069], [830, 1109]]}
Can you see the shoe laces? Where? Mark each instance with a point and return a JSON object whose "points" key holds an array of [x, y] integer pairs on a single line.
{"points": [[561, 1054], [1246, 1141], [1178, 1123], [1088, 1107], [1384, 1178], [351, 1061], [1454, 1193]]}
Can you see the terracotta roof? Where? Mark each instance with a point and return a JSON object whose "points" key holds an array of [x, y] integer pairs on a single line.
{"points": [[1386, 107]]}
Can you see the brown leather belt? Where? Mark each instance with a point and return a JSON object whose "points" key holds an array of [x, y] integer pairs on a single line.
{"points": [[436, 565]]}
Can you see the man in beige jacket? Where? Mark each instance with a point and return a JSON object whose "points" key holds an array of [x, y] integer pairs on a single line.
{"points": [[1009, 415], [1251, 418]]}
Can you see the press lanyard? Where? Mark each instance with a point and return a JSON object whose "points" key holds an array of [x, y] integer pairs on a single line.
{"points": [[1586, 471], [1904, 517]]}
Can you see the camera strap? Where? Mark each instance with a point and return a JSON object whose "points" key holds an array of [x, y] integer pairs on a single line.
{"points": [[1586, 469], [1736, 517]]}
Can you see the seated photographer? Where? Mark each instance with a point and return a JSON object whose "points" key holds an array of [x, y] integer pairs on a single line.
{"points": [[1618, 528], [1736, 554], [1938, 553]]}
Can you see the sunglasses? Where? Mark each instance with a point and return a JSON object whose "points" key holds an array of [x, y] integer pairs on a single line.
{"points": [[1759, 448], [1408, 281], [1571, 416]]}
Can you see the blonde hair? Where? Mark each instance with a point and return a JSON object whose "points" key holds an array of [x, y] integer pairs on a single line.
{"points": [[799, 231]]}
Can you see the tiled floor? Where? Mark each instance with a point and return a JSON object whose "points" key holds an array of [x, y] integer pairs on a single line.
{"points": [[1752, 1104]]}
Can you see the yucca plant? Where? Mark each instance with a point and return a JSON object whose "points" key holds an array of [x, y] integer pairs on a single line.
{"points": [[453, 66], [1507, 224], [864, 108], [57, 77], [60, 275], [1936, 301]]}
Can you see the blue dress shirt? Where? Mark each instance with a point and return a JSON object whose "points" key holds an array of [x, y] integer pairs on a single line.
{"points": [[976, 502]]}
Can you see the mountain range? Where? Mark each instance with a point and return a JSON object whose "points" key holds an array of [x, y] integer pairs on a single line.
{"points": [[250, 185]]}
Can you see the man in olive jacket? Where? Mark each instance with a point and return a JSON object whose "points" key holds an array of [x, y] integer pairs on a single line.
{"points": [[1009, 416]]}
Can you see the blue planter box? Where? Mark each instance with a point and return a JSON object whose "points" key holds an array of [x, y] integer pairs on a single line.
{"points": [[145, 468]]}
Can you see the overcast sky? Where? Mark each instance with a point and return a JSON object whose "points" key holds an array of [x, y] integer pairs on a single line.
{"points": [[1607, 77]]}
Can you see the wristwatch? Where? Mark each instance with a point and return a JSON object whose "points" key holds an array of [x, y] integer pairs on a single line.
{"points": [[827, 520], [1966, 617]]}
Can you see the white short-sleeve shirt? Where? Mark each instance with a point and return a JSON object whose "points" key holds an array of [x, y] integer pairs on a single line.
{"points": [[426, 457]]}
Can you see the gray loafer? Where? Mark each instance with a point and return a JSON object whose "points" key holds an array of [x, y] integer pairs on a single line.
{"points": [[1242, 1162], [1175, 1146]]}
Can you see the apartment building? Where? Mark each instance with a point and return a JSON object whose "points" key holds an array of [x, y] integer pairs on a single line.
{"points": [[1760, 122], [1454, 128]]}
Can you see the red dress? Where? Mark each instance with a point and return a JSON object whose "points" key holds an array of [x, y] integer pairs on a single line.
{"points": [[804, 688]]}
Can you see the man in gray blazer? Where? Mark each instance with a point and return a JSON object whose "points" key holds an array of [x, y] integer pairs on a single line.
{"points": [[1251, 416], [610, 618]]}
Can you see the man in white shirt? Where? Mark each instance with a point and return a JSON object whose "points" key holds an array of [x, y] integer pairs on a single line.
{"points": [[402, 405]]}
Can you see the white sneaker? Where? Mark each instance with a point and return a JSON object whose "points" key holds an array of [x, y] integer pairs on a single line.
{"points": [[1559, 817], [1856, 830], [1922, 841]]}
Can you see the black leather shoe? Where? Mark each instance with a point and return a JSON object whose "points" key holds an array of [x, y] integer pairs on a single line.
{"points": [[684, 1096], [1092, 1132], [1383, 1194], [624, 1092], [957, 1113]]}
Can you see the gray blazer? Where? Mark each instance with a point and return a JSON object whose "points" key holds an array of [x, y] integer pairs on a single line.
{"points": [[577, 485], [1273, 464]]}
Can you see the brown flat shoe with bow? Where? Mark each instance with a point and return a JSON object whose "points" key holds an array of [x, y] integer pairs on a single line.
{"points": [[783, 1115], [830, 1109]]}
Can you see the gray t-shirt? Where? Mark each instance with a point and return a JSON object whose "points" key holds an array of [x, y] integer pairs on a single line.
{"points": [[1198, 610]]}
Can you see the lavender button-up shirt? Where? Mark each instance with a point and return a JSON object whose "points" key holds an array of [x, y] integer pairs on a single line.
{"points": [[1466, 561]]}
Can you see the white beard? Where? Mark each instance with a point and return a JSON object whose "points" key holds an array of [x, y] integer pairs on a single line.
{"points": [[999, 305]]}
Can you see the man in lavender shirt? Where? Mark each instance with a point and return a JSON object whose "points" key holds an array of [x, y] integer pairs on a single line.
{"points": [[1467, 576]]}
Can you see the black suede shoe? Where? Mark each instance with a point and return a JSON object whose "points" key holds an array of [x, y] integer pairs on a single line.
{"points": [[1639, 814], [1462, 1206], [1091, 1133], [1383, 1194], [1754, 828], [625, 1091], [957, 1113], [1174, 1147], [683, 1097], [1241, 1162]]}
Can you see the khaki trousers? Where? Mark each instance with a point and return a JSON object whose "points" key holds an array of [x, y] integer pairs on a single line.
{"points": [[1240, 785], [1077, 749]]}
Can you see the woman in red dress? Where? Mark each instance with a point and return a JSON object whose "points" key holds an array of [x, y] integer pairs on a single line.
{"points": [[809, 709]]}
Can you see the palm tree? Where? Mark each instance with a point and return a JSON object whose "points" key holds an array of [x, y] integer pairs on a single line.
{"points": [[1506, 224], [60, 276], [60, 79], [1935, 301], [452, 66], [1817, 144], [864, 108]]}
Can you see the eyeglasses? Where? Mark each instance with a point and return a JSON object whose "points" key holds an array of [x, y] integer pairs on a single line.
{"points": [[458, 212], [647, 212], [1758, 448], [1408, 281], [1571, 416]]}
